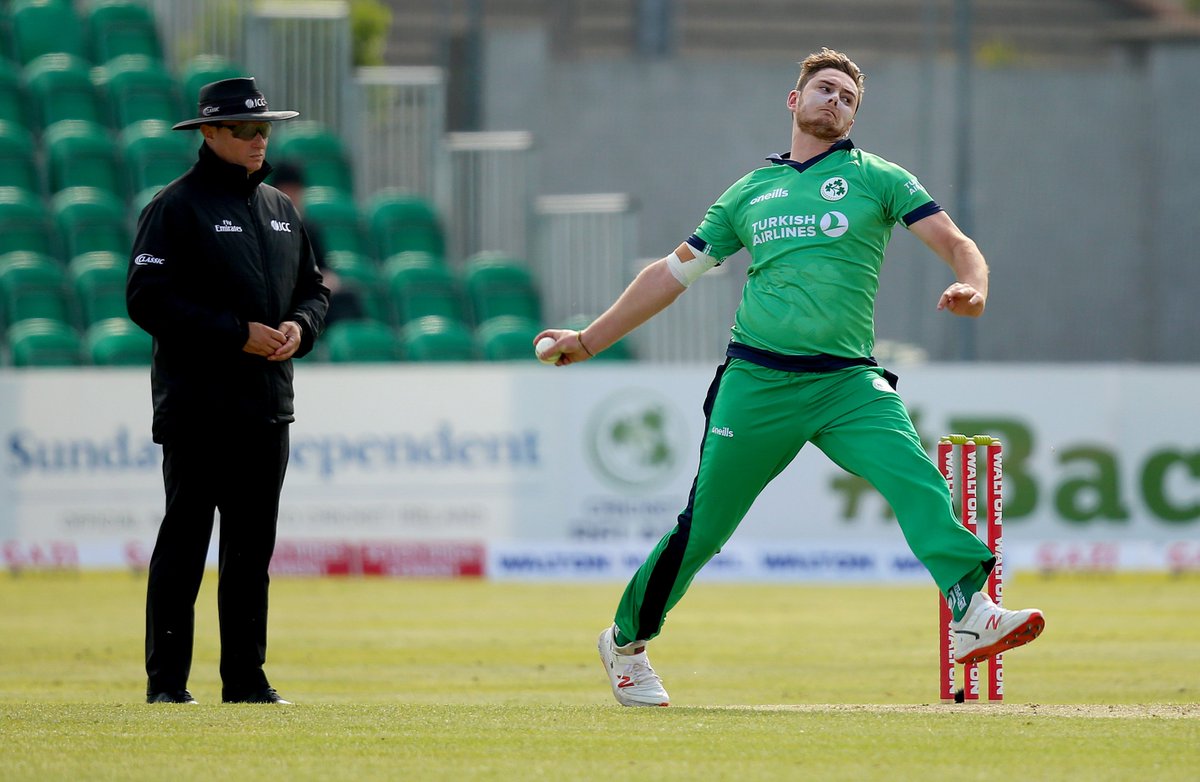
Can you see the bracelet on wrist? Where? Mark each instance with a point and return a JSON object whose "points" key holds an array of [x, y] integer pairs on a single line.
{"points": [[579, 336]]}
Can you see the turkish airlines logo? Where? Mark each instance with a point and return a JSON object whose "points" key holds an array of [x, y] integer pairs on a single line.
{"points": [[834, 224], [882, 385]]}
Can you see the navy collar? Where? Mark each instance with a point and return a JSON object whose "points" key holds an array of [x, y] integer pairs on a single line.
{"points": [[785, 160]]}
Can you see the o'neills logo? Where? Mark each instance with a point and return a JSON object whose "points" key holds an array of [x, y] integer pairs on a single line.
{"points": [[778, 192], [721, 431], [227, 226], [146, 259]]}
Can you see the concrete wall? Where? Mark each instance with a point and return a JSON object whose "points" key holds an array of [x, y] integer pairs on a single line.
{"points": [[1084, 195]]}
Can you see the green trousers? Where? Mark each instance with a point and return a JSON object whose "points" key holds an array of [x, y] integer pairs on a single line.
{"points": [[757, 420]]}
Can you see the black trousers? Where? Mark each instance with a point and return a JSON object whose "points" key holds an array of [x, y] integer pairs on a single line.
{"points": [[239, 473]]}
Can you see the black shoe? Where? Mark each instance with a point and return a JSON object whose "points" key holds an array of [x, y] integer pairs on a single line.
{"points": [[170, 696], [265, 695]]}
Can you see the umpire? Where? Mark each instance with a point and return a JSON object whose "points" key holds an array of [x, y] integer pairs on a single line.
{"points": [[223, 276]]}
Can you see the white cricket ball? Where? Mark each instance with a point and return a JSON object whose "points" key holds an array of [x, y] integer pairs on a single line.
{"points": [[543, 348]]}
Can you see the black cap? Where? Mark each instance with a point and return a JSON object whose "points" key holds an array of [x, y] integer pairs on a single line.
{"points": [[233, 100]]}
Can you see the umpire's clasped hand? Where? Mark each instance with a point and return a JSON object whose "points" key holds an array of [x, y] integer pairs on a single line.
{"points": [[273, 344]]}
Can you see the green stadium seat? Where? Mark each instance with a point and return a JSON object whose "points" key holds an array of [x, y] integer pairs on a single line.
{"points": [[18, 158], [23, 223], [318, 152], [138, 203], [136, 87], [12, 95], [360, 341], [437, 339], [155, 155], [82, 154], [113, 28], [43, 26], [8, 50], [499, 285], [336, 217], [205, 69], [117, 342], [419, 284], [360, 274], [399, 221], [89, 220], [43, 342], [507, 338], [58, 86], [98, 281], [32, 286]]}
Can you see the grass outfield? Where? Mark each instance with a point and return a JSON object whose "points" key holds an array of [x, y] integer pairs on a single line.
{"points": [[399, 679]]}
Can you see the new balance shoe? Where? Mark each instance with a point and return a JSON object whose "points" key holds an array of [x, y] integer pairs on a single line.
{"points": [[633, 681], [987, 629]]}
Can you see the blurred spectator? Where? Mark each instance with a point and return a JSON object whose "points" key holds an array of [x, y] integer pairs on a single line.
{"points": [[344, 302]]}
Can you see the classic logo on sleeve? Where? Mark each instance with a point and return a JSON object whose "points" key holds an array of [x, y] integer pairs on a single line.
{"points": [[146, 259]]}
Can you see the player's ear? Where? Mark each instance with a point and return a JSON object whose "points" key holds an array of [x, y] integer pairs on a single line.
{"points": [[793, 99]]}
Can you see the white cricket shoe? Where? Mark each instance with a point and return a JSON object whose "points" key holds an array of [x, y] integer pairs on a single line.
{"points": [[633, 681], [987, 629]]}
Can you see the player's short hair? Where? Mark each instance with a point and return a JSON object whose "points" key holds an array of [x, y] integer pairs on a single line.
{"points": [[287, 173], [828, 58]]}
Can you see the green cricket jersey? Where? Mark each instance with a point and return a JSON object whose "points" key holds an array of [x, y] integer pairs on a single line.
{"points": [[816, 232]]}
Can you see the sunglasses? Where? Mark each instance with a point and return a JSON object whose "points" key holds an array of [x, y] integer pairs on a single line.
{"points": [[246, 131]]}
